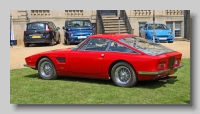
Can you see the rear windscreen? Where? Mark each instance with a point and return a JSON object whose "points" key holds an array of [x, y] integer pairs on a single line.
{"points": [[79, 23], [36, 26]]}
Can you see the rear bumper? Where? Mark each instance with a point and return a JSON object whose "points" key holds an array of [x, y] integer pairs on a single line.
{"points": [[38, 40], [159, 72]]}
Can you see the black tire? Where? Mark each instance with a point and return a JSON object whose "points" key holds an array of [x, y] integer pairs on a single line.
{"points": [[26, 45], [131, 80], [52, 42], [170, 41], [41, 70], [67, 42], [59, 40], [146, 37]]}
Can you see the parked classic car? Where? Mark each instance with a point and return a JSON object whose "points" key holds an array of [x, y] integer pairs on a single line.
{"points": [[77, 30], [41, 32], [162, 32], [124, 58]]}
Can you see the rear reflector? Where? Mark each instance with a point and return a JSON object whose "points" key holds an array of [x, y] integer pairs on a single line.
{"points": [[161, 66]]}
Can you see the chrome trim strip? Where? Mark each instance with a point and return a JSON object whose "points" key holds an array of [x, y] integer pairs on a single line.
{"points": [[29, 66], [181, 65], [154, 73], [159, 72]]}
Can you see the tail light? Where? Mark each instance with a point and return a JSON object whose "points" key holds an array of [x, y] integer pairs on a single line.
{"points": [[161, 66], [47, 29], [177, 62], [25, 30]]}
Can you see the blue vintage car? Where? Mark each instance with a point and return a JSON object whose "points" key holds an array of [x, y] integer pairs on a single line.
{"points": [[77, 30], [162, 32]]}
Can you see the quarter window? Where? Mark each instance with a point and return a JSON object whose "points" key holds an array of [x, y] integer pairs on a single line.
{"points": [[116, 47]]}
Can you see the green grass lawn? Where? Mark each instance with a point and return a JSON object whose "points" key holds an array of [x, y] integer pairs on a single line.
{"points": [[27, 88]]}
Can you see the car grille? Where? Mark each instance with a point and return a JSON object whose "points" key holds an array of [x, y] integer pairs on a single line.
{"points": [[162, 35]]}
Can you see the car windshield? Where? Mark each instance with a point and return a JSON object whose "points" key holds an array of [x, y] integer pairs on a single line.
{"points": [[74, 48], [79, 23], [35, 26], [146, 46], [157, 26]]}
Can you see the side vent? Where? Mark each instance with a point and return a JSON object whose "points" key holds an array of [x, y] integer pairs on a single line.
{"points": [[61, 59]]}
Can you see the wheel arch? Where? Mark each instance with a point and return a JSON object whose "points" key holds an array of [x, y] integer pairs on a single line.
{"points": [[37, 62]]}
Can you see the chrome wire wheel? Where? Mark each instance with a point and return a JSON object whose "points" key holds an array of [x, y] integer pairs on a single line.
{"points": [[122, 75], [46, 69]]}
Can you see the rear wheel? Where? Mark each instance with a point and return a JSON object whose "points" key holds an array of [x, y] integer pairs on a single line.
{"points": [[123, 75], [52, 42], [46, 69], [59, 40], [26, 45]]}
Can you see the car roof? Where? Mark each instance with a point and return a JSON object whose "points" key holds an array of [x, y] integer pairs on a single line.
{"points": [[155, 23], [39, 22], [113, 36], [77, 19]]}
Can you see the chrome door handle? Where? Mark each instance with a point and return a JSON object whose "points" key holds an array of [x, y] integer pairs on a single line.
{"points": [[102, 55]]}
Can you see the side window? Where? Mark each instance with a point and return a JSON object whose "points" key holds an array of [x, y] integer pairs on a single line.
{"points": [[96, 44], [116, 47]]}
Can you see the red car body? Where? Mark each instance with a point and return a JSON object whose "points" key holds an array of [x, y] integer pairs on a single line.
{"points": [[98, 64]]}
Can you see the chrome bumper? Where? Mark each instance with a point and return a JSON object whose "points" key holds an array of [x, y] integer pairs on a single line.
{"points": [[159, 72], [29, 66]]}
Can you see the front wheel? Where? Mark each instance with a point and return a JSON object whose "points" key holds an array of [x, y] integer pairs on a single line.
{"points": [[67, 42], [46, 69], [146, 37], [170, 41], [26, 45], [123, 75]]}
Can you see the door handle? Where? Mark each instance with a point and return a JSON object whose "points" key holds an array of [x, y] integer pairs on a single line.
{"points": [[102, 55]]}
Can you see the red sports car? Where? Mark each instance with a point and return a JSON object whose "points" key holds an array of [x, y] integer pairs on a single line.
{"points": [[124, 58]]}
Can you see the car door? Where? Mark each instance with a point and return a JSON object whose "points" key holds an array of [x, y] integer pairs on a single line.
{"points": [[87, 61]]}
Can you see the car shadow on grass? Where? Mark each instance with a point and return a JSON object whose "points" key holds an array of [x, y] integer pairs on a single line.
{"points": [[76, 79], [141, 84], [154, 84]]}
